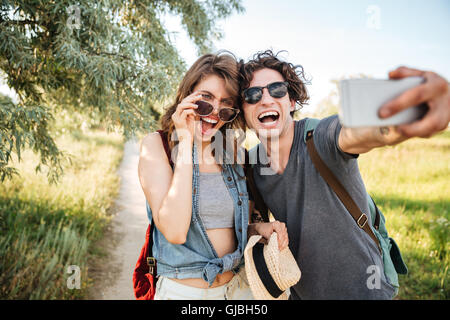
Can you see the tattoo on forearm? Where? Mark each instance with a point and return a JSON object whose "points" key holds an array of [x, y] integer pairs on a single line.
{"points": [[384, 131]]}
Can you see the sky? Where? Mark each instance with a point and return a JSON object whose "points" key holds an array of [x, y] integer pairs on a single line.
{"points": [[337, 39]]}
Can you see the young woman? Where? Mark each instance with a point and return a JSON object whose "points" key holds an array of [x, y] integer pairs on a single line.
{"points": [[200, 206]]}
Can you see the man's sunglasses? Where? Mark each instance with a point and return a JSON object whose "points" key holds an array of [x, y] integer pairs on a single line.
{"points": [[225, 114], [253, 95]]}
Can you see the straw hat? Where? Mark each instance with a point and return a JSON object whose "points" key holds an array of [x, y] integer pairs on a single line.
{"points": [[269, 272]]}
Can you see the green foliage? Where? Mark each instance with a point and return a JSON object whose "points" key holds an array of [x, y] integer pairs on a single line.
{"points": [[45, 228], [111, 59], [26, 126]]}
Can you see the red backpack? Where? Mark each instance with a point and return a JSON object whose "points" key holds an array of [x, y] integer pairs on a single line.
{"points": [[145, 273]]}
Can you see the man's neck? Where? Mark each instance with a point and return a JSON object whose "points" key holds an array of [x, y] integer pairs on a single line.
{"points": [[279, 150]]}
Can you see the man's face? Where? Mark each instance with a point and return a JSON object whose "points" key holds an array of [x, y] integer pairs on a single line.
{"points": [[270, 117]]}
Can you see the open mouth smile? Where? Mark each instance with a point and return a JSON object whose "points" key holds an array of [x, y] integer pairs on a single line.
{"points": [[208, 125], [268, 118]]}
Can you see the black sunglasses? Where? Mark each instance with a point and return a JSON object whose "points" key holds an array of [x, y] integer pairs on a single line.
{"points": [[225, 114], [278, 89]]}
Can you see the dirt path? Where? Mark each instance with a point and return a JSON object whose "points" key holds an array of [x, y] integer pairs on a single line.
{"points": [[123, 241]]}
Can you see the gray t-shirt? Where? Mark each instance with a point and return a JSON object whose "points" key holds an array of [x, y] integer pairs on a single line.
{"points": [[338, 260]]}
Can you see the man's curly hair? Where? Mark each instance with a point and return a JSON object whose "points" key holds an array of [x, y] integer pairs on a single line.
{"points": [[293, 74]]}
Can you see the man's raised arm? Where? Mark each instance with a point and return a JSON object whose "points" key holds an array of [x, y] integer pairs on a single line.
{"points": [[434, 91]]}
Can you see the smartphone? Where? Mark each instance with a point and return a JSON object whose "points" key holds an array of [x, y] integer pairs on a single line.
{"points": [[360, 100]]}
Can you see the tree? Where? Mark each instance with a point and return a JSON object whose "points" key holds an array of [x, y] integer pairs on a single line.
{"points": [[109, 58]]}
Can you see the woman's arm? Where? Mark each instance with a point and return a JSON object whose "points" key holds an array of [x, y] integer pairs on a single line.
{"points": [[168, 193]]}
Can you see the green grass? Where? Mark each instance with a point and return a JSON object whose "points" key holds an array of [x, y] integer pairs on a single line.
{"points": [[411, 184], [46, 228]]}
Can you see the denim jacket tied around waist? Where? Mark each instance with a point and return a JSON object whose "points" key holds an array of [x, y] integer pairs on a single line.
{"points": [[197, 258]]}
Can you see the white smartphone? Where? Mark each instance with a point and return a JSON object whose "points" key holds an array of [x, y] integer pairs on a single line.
{"points": [[360, 100]]}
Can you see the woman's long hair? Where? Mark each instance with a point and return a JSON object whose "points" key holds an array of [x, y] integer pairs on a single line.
{"points": [[222, 64]]}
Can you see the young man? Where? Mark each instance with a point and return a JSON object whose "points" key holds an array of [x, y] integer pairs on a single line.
{"points": [[333, 253]]}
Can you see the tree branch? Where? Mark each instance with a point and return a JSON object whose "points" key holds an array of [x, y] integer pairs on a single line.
{"points": [[19, 22]]}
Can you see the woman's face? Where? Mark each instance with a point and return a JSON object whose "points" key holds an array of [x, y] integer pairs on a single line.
{"points": [[213, 90]]}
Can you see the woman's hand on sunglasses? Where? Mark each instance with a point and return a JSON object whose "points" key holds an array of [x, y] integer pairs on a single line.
{"points": [[184, 116]]}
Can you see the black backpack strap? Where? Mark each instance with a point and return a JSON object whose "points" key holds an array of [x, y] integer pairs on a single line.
{"points": [[376, 223], [260, 205], [151, 261]]}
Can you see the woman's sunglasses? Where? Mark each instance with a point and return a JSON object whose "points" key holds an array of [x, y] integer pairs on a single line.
{"points": [[253, 95], [225, 114]]}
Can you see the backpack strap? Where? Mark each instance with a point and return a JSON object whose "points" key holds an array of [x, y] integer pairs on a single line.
{"points": [[310, 124], [374, 212], [359, 216], [260, 205], [165, 143]]}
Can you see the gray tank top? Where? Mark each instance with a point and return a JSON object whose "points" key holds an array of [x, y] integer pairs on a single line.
{"points": [[215, 203]]}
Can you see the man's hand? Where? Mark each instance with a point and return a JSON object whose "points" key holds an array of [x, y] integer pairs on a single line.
{"points": [[434, 91]]}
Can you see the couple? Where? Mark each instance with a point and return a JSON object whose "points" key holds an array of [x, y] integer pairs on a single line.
{"points": [[200, 205]]}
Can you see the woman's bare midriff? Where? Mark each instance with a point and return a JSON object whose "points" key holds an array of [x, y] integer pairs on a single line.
{"points": [[224, 242]]}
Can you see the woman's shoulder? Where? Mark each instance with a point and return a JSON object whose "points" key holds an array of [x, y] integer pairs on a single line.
{"points": [[153, 139], [151, 142]]}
